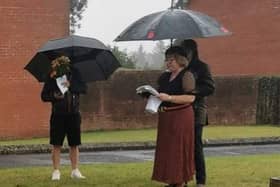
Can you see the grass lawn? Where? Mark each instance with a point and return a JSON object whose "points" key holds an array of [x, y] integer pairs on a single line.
{"points": [[210, 132], [237, 171]]}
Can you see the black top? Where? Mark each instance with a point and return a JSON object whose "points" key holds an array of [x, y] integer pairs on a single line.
{"points": [[70, 103], [178, 86], [205, 86]]}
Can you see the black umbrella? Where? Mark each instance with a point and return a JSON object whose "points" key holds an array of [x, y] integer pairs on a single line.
{"points": [[173, 24], [90, 56]]}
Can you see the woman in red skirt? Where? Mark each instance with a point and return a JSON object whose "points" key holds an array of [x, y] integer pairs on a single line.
{"points": [[174, 156]]}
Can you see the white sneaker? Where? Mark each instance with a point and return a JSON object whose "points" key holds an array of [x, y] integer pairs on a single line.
{"points": [[76, 174], [56, 175]]}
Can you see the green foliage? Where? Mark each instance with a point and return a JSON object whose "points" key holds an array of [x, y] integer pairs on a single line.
{"points": [[125, 60], [140, 57], [77, 7], [153, 60], [158, 55], [268, 108], [160, 48], [182, 4]]}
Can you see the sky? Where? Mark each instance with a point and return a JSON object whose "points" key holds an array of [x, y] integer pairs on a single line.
{"points": [[105, 20]]}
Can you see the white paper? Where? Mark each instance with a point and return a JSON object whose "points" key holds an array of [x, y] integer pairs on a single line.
{"points": [[60, 81], [146, 88], [152, 104]]}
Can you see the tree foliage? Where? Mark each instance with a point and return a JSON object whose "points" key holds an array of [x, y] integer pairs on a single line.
{"points": [[140, 57], [151, 60], [158, 55], [77, 7], [125, 60], [182, 4]]}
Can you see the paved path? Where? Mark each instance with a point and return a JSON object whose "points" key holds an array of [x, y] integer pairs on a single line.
{"points": [[130, 156]]}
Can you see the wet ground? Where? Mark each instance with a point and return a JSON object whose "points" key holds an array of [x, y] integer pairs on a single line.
{"points": [[130, 156]]}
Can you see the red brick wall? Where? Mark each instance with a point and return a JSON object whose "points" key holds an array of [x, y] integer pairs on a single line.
{"points": [[234, 101], [24, 27], [254, 46], [114, 105]]}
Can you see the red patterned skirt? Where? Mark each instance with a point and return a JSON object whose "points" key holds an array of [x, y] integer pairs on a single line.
{"points": [[174, 156]]}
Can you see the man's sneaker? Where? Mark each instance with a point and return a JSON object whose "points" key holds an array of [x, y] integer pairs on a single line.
{"points": [[76, 174], [56, 175]]}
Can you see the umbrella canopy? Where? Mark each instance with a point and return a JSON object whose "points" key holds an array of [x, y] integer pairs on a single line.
{"points": [[173, 24], [90, 56]]}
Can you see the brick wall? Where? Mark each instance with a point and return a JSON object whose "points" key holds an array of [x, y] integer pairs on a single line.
{"points": [[25, 26], [251, 50], [234, 101], [114, 105], [253, 47]]}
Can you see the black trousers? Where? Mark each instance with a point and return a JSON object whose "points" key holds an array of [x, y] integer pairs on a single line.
{"points": [[199, 155]]}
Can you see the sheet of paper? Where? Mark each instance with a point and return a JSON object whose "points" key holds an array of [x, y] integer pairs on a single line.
{"points": [[152, 104], [60, 83], [147, 88]]}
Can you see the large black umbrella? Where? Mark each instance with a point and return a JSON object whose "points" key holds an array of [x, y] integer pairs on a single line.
{"points": [[90, 56], [173, 24]]}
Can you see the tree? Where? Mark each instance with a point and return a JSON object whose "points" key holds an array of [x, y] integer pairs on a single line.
{"points": [[160, 48], [77, 7], [140, 57], [158, 55], [123, 58], [182, 4]]}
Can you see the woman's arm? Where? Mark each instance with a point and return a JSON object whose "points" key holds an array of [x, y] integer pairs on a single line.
{"points": [[47, 95], [178, 99]]}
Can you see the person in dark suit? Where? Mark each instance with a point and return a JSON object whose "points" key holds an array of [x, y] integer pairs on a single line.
{"points": [[205, 86]]}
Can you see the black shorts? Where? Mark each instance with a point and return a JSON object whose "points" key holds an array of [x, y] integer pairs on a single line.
{"points": [[65, 125]]}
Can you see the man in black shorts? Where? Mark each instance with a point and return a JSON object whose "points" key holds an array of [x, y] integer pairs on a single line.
{"points": [[65, 119]]}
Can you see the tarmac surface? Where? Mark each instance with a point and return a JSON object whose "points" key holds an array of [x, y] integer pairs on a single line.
{"points": [[126, 156]]}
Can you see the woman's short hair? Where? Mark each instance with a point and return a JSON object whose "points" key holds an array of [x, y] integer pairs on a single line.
{"points": [[179, 54]]}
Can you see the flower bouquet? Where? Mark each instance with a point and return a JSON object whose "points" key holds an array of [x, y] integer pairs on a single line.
{"points": [[59, 67]]}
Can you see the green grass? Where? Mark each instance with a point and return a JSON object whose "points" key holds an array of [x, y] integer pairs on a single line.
{"points": [[237, 171], [210, 132], [224, 132]]}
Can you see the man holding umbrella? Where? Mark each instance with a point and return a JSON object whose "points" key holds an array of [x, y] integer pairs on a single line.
{"points": [[91, 60], [65, 117], [204, 87]]}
